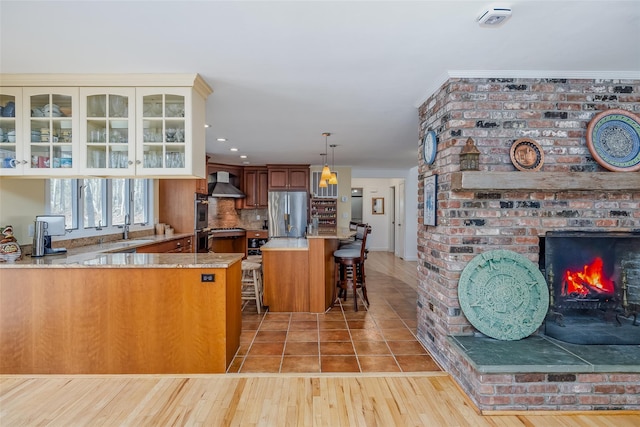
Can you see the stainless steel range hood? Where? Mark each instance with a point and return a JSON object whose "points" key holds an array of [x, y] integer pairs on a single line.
{"points": [[219, 186]]}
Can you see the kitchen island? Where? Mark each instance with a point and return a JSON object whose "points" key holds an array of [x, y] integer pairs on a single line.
{"points": [[298, 274], [122, 313]]}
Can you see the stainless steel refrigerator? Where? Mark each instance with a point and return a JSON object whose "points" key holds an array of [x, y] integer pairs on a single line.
{"points": [[287, 213]]}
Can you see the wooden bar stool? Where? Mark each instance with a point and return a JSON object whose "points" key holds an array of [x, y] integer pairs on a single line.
{"points": [[349, 271], [252, 283]]}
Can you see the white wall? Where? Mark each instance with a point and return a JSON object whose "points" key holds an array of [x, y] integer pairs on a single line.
{"points": [[377, 183], [20, 201], [378, 240]]}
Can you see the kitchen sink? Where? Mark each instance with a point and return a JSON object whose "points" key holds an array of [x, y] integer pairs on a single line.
{"points": [[140, 241], [117, 246]]}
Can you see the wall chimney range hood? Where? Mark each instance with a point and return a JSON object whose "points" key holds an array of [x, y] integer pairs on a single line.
{"points": [[220, 186]]}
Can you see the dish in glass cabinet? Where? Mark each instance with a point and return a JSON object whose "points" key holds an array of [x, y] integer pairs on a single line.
{"points": [[613, 138]]}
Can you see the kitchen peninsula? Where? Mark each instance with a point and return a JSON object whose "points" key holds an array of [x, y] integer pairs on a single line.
{"points": [[120, 313], [298, 273]]}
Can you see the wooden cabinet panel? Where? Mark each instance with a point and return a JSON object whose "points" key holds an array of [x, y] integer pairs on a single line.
{"points": [[177, 202], [299, 179], [251, 236], [278, 179], [131, 321], [255, 186], [286, 280], [288, 177]]}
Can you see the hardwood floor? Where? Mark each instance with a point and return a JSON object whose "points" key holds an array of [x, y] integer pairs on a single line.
{"points": [[243, 399]]}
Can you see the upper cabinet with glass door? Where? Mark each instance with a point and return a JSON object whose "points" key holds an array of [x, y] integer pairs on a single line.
{"points": [[164, 133], [11, 157], [107, 131], [148, 125], [50, 130]]}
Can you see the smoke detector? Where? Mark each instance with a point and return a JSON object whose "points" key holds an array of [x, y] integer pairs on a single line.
{"points": [[493, 16]]}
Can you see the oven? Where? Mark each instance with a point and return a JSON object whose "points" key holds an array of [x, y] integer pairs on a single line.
{"points": [[201, 209], [201, 223], [201, 238]]}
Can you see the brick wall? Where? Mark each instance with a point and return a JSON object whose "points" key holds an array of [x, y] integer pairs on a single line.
{"points": [[495, 113]]}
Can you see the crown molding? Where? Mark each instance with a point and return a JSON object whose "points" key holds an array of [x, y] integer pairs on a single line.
{"points": [[525, 74], [110, 80]]}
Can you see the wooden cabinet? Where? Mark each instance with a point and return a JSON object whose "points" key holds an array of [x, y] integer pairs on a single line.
{"points": [[133, 320], [172, 246], [201, 186], [255, 239], [288, 177], [177, 202], [106, 125], [326, 212], [256, 187]]}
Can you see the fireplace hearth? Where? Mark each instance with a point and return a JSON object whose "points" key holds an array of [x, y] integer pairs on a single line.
{"points": [[594, 289]]}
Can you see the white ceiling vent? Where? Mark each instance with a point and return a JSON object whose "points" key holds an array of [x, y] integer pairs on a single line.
{"points": [[494, 16]]}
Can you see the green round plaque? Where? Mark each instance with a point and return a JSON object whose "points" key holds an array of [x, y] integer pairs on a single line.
{"points": [[503, 295]]}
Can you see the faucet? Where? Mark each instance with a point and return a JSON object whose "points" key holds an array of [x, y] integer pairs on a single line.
{"points": [[125, 235]]}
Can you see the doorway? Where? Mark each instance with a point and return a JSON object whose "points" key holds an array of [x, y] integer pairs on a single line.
{"points": [[356, 204]]}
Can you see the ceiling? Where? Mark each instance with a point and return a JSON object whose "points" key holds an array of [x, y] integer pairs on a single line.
{"points": [[285, 72]]}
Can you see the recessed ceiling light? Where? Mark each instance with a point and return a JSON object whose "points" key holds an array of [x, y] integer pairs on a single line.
{"points": [[493, 16], [246, 163], [207, 125], [243, 156], [233, 149], [221, 139]]}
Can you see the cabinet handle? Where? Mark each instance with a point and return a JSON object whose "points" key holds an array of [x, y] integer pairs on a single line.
{"points": [[138, 162]]}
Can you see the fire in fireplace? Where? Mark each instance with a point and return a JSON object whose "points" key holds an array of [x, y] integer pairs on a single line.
{"points": [[587, 282], [594, 287]]}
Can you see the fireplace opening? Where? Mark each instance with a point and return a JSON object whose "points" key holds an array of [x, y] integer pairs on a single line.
{"points": [[594, 289]]}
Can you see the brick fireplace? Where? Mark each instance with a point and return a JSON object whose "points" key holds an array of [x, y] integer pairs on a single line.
{"points": [[499, 207]]}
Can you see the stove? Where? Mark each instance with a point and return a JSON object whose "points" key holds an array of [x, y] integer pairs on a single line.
{"points": [[227, 232]]}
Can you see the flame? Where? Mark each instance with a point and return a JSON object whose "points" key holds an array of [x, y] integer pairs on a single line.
{"points": [[590, 279]]}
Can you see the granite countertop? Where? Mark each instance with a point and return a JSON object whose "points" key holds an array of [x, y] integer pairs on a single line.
{"points": [[286, 244], [341, 233], [130, 260], [114, 255]]}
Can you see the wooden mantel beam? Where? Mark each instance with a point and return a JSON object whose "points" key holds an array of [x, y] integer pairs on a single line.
{"points": [[554, 181]]}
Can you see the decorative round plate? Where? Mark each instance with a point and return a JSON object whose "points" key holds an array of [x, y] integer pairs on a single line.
{"points": [[503, 295], [527, 155], [429, 147], [613, 138]]}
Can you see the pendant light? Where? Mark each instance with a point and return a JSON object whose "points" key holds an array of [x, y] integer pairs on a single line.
{"points": [[323, 182], [334, 177], [326, 172]]}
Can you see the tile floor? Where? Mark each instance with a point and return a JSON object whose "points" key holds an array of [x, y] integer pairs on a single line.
{"points": [[378, 339]]}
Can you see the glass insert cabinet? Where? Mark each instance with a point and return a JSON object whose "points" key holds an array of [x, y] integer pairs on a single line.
{"points": [[107, 130], [10, 130], [110, 130], [164, 132]]}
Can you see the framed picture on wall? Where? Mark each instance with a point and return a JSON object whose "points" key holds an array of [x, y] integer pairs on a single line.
{"points": [[430, 199]]}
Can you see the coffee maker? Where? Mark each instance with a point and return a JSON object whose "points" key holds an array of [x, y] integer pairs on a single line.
{"points": [[45, 227]]}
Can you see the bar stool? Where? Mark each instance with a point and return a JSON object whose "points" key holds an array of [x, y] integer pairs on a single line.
{"points": [[349, 271], [252, 283]]}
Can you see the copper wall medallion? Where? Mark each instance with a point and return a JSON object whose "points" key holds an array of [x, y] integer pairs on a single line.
{"points": [[527, 155]]}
